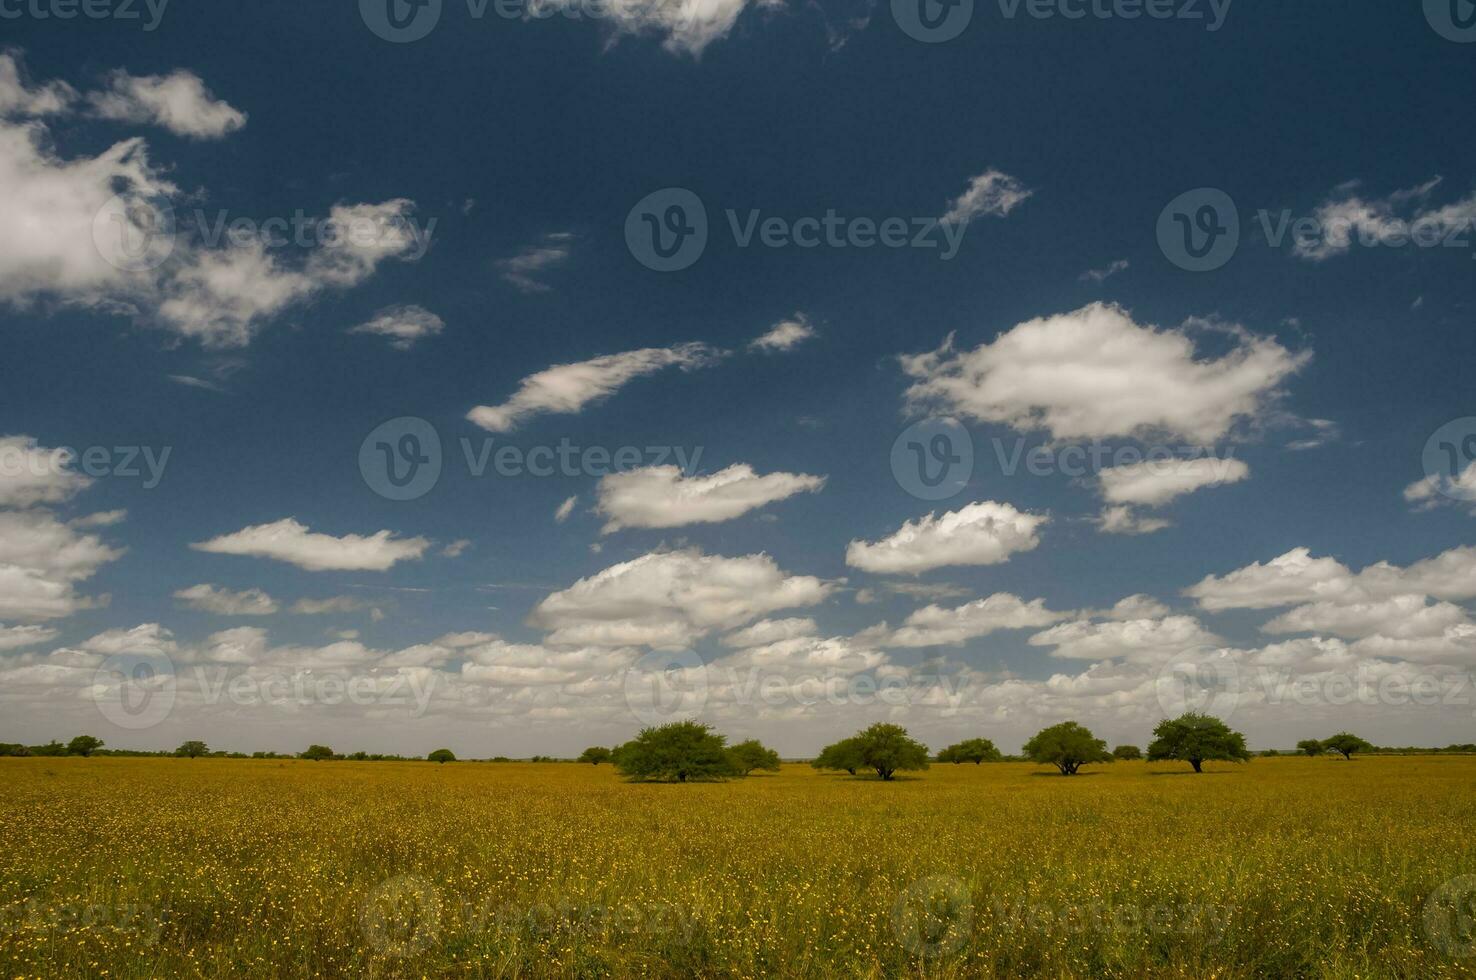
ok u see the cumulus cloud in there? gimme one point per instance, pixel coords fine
(179, 102)
(993, 193)
(937, 626)
(1297, 578)
(1133, 640)
(671, 599)
(525, 269)
(19, 97)
(566, 389)
(1095, 373)
(289, 541)
(767, 631)
(784, 335)
(16, 637)
(1438, 490)
(42, 560)
(403, 325)
(983, 533)
(93, 231)
(1156, 482)
(660, 496)
(1124, 520)
(1399, 617)
(31, 474)
(225, 602)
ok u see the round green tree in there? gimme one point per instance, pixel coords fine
(681, 751)
(594, 755)
(1195, 738)
(1067, 746)
(1127, 753)
(1311, 746)
(843, 755)
(442, 756)
(888, 749)
(318, 752)
(1345, 744)
(192, 750)
(84, 745)
(975, 750)
(752, 754)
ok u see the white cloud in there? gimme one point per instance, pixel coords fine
(179, 102)
(670, 599)
(660, 496)
(992, 193)
(1155, 482)
(565, 509)
(1296, 578)
(525, 269)
(983, 533)
(89, 231)
(19, 98)
(767, 631)
(1394, 221)
(689, 26)
(1133, 640)
(225, 602)
(565, 389)
(1094, 373)
(31, 474)
(785, 335)
(456, 548)
(1124, 520)
(289, 541)
(16, 637)
(1438, 490)
(1105, 273)
(404, 325)
(330, 606)
(41, 562)
(937, 626)
(1139, 606)
(1397, 617)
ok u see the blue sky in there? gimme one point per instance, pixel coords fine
(495, 164)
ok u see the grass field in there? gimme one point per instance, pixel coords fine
(221, 868)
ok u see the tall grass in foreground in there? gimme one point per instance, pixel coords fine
(225, 868)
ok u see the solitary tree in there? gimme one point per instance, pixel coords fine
(975, 750)
(1067, 746)
(192, 750)
(845, 754)
(595, 754)
(681, 751)
(84, 745)
(1345, 744)
(1127, 752)
(1311, 746)
(752, 754)
(318, 752)
(1195, 738)
(888, 749)
(442, 756)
